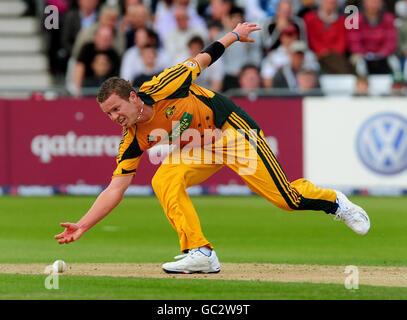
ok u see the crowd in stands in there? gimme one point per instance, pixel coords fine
(300, 41)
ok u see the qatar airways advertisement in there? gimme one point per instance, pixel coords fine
(72, 142)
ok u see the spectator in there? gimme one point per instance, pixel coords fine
(136, 16)
(57, 55)
(102, 43)
(163, 8)
(280, 57)
(165, 20)
(75, 20)
(307, 82)
(109, 16)
(148, 67)
(125, 5)
(218, 10)
(214, 30)
(62, 5)
(211, 77)
(327, 37)
(361, 87)
(132, 60)
(296, 76)
(374, 43)
(284, 17)
(401, 10)
(258, 11)
(249, 78)
(356, 3)
(306, 6)
(102, 69)
(238, 56)
(176, 43)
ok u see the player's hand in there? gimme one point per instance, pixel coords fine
(244, 29)
(71, 233)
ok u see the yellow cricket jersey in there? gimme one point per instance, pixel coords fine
(178, 105)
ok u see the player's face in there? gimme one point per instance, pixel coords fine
(120, 111)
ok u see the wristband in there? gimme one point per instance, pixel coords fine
(215, 50)
(237, 35)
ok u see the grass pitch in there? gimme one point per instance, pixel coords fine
(244, 229)
(108, 288)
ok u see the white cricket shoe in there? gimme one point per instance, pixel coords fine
(354, 216)
(194, 262)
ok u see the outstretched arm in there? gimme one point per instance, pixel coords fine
(240, 33)
(103, 205)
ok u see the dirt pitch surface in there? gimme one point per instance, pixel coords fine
(376, 276)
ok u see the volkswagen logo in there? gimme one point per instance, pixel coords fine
(382, 143)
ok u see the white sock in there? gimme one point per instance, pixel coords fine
(205, 250)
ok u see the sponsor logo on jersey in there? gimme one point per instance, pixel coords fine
(180, 126)
(169, 112)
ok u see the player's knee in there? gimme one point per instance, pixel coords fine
(168, 180)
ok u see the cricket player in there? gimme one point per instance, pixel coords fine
(208, 131)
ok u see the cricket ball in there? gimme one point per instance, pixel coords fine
(59, 266)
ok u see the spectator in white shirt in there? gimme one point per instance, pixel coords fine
(283, 18)
(176, 43)
(165, 20)
(148, 66)
(132, 64)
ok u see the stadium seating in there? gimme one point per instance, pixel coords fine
(380, 84)
(23, 63)
(343, 85)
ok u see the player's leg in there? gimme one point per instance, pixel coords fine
(267, 178)
(264, 174)
(170, 183)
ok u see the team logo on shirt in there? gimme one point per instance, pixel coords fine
(190, 64)
(169, 112)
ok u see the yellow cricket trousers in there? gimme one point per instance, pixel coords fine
(243, 149)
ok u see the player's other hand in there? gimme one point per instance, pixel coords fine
(71, 233)
(244, 29)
